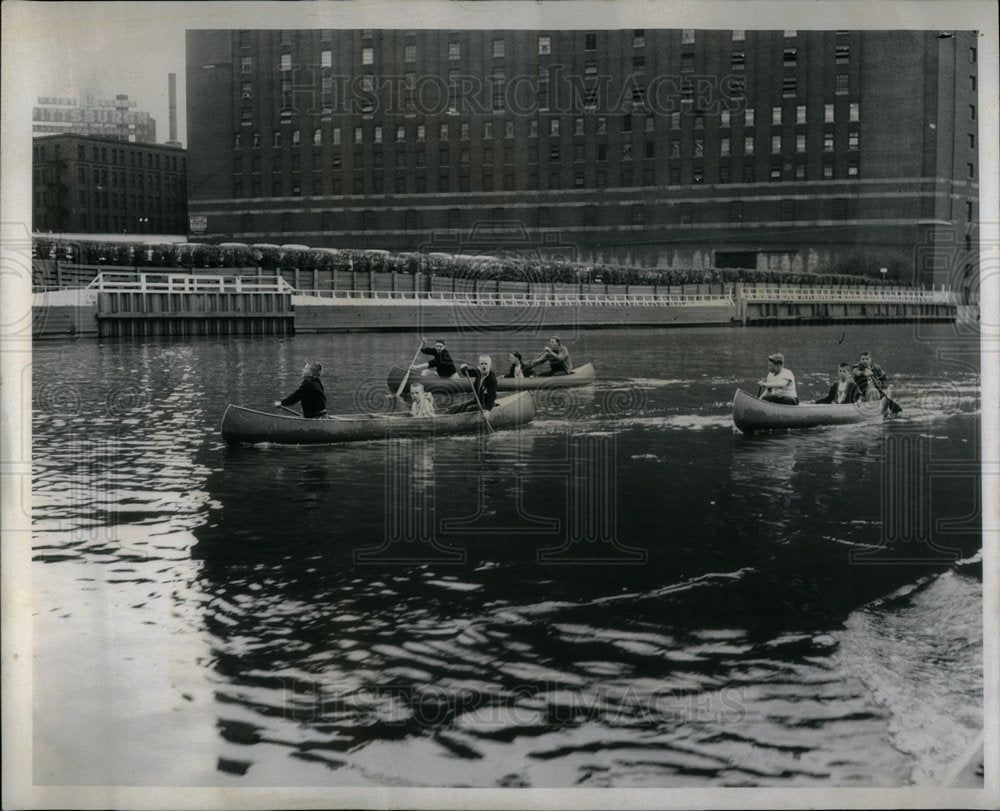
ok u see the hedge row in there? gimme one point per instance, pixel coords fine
(515, 268)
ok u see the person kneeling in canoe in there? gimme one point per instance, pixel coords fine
(484, 387)
(440, 361)
(557, 356)
(422, 404)
(779, 385)
(843, 390)
(310, 392)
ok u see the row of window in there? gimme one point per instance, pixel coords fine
(114, 223)
(375, 133)
(151, 203)
(510, 181)
(120, 157)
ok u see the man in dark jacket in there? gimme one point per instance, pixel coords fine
(310, 392)
(866, 372)
(484, 387)
(843, 390)
(440, 360)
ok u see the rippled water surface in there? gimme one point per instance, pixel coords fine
(627, 592)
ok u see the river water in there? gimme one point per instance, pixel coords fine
(626, 592)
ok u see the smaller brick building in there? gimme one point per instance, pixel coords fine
(97, 185)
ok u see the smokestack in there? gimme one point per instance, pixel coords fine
(172, 90)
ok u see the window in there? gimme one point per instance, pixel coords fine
(590, 41)
(358, 135)
(602, 125)
(842, 54)
(626, 151)
(788, 86)
(286, 62)
(748, 118)
(295, 137)
(775, 143)
(675, 148)
(748, 145)
(246, 115)
(699, 148)
(577, 153)
(968, 210)
(578, 126)
(554, 126)
(378, 135)
(852, 140)
(246, 90)
(827, 113)
(724, 146)
(421, 133)
(800, 143)
(788, 209)
(602, 152)
(855, 111)
(508, 129)
(800, 171)
(736, 211)
(775, 115)
(972, 141)
(724, 119)
(972, 54)
(972, 112)
(499, 49)
(256, 140)
(639, 64)
(544, 45)
(675, 175)
(791, 33)
(790, 57)
(827, 170)
(972, 169)
(687, 36)
(685, 212)
(276, 139)
(842, 86)
(246, 64)
(488, 129)
(687, 63)
(326, 58)
(336, 136)
(317, 137)
(739, 60)
(443, 135)
(800, 114)
(638, 214)
(852, 168)
(410, 53)
(639, 38)
(739, 35)
(775, 171)
(828, 142)
(454, 51)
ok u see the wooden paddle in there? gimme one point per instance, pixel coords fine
(406, 377)
(296, 413)
(894, 407)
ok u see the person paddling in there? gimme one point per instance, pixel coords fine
(844, 389)
(517, 366)
(310, 392)
(869, 377)
(557, 357)
(440, 361)
(779, 385)
(484, 387)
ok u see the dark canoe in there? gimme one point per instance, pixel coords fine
(581, 376)
(246, 426)
(753, 414)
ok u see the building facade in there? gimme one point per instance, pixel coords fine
(111, 118)
(94, 185)
(773, 149)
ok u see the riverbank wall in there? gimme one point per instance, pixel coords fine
(128, 303)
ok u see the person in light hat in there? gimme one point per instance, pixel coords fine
(779, 385)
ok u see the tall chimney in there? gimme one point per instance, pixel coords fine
(172, 89)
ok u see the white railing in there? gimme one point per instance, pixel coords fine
(112, 282)
(869, 295)
(493, 299)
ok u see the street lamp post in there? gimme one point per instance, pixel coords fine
(883, 271)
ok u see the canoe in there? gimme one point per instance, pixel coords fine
(246, 426)
(753, 414)
(581, 376)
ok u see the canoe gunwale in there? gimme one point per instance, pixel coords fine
(751, 413)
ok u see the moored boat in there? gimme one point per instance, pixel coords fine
(581, 376)
(247, 426)
(753, 414)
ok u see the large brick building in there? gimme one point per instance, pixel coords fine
(93, 185)
(783, 149)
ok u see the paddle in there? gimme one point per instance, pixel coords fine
(406, 377)
(296, 413)
(894, 407)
